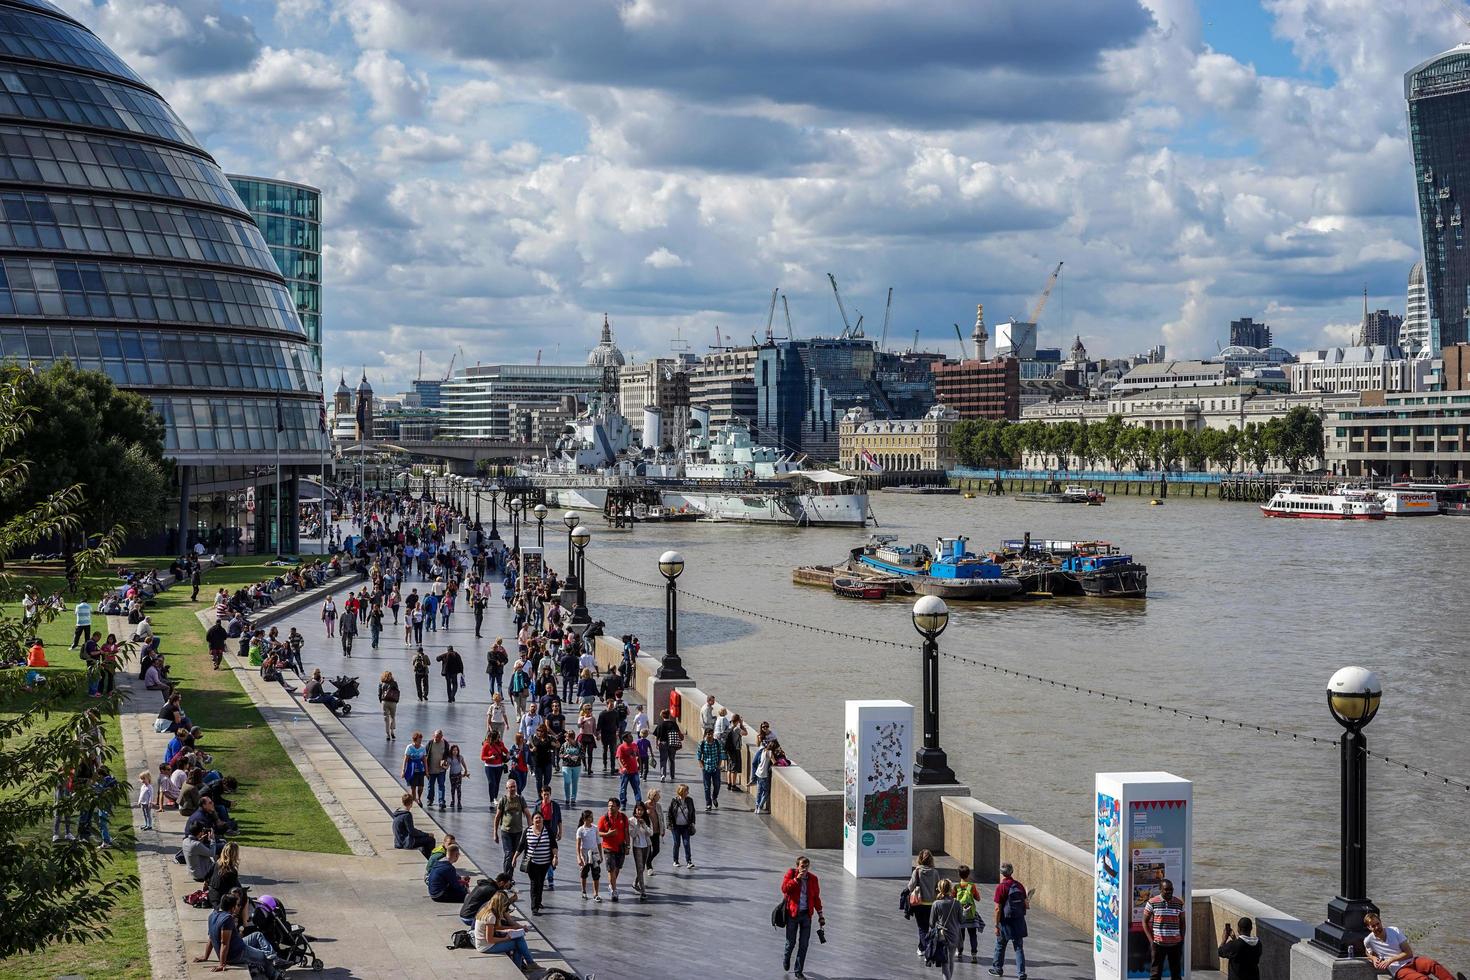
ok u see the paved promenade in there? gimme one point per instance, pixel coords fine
(712, 920)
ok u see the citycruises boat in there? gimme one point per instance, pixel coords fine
(1344, 505)
(950, 571)
(1451, 498)
(1399, 502)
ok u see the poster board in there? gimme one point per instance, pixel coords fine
(1143, 832)
(878, 806)
(533, 566)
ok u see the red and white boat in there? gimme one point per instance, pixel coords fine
(1344, 505)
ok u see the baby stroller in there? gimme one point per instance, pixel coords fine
(346, 690)
(292, 945)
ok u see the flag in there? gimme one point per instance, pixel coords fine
(280, 416)
(872, 462)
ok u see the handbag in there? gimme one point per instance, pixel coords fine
(526, 863)
(778, 915)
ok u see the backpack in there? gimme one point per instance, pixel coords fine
(676, 738)
(1015, 901)
(461, 939)
(965, 895)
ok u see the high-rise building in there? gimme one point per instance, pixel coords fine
(125, 250)
(1246, 332)
(1381, 329)
(980, 389)
(1438, 94)
(289, 215)
(428, 390)
(804, 387)
(724, 382)
(484, 402)
(661, 383)
(1414, 334)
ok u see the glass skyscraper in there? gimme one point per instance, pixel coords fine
(124, 249)
(290, 218)
(1438, 93)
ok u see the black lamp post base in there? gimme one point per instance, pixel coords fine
(931, 768)
(671, 669)
(1344, 926)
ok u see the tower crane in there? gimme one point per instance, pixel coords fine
(787, 306)
(846, 326)
(771, 316)
(450, 371)
(886, 311)
(960, 334)
(1045, 294)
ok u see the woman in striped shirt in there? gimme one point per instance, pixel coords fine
(539, 848)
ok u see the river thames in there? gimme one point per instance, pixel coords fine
(1246, 617)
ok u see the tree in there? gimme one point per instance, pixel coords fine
(1137, 446)
(1197, 453)
(1297, 437)
(1171, 446)
(82, 430)
(1107, 438)
(55, 891)
(1253, 448)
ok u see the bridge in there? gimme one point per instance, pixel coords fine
(464, 455)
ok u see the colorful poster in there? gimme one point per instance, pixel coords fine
(1158, 837)
(531, 565)
(1106, 848)
(877, 783)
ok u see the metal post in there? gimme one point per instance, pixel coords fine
(671, 666)
(280, 549)
(322, 510)
(540, 532)
(931, 765)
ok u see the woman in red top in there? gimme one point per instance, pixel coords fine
(803, 896)
(494, 754)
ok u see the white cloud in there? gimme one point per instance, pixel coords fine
(662, 258)
(396, 92)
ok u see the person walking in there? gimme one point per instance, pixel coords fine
(511, 818)
(640, 833)
(612, 831)
(587, 737)
(1011, 904)
(543, 756)
(627, 758)
(495, 660)
(388, 695)
(457, 771)
(329, 616)
(83, 611)
(607, 732)
(420, 664)
(571, 768)
(375, 623)
(681, 823)
(589, 855)
(494, 755)
(1164, 926)
(436, 762)
(968, 896)
(414, 766)
(923, 886)
(347, 632)
(711, 756)
(495, 717)
(764, 763)
(944, 930)
(451, 665)
(538, 848)
(669, 738)
(550, 813)
(733, 742)
(801, 893)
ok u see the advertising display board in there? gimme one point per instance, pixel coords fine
(1143, 831)
(532, 567)
(877, 811)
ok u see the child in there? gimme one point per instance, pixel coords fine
(970, 920)
(145, 798)
(589, 855)
(645, 749)
(457, 771)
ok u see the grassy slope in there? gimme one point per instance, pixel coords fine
(274, 806)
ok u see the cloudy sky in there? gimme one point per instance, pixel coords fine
(498, 174)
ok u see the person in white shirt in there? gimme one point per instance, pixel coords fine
(1389, 952)
(589, 855)
(640, 720)
(707, 714)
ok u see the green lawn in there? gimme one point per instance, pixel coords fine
(274, 806)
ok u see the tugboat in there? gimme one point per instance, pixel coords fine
(1105, 575)
(950, 571)
(1091, 568)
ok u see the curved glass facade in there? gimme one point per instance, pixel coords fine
(290, 217)
(124, 248)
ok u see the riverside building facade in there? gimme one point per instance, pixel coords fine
(126, 250)
(289, 215)
(1438, 95)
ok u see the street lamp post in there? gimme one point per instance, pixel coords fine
(571, 520)
(581, 534)
(515, 525)
(540, 511)
(479, 488)
(931, 767)
(494, 512)
(1353, 696)
(671, 668)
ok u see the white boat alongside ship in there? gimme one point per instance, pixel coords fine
(721, 474)
(1408, 503)
(1343, 505)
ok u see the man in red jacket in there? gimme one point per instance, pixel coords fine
(803, 896)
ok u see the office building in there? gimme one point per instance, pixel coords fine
(428, 390)
(1174, 374)
(1246, 332)
(1438, 96)
(477, 401)
(724, 382)
(1191, 409)
(1359, 369)
(1414, 334)
(661, 383)
(1015, 338)
(1381, 329)
(980, 389)
(125, 250)
(902, 445)
(1401, 435)
(804, 387)
(289, 215)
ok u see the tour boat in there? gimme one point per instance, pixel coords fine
(1344, 505)
(1404, 502)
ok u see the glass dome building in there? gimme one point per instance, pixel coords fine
(124, 249)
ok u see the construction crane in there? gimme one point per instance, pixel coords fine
(915, 345)
(787, 307)
(1045, 294)
(450, 371)
(846, 326)
(538, 356)
(771, 316)
(886, 311)
(960, 334)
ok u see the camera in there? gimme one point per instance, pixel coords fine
(822, 935)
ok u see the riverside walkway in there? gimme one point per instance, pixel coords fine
(713, 919)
